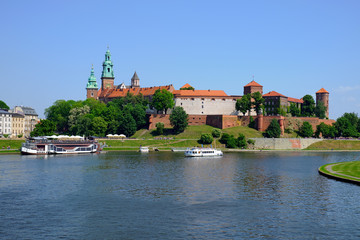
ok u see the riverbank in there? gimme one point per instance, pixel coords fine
(344, 171)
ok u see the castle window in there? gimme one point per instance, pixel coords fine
(223, 99)
(108, 69)
(192, 99)
(202, 99)
(213, 99)
(202, 106)
(92, 94)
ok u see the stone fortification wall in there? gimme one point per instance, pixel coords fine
(165, 118)
(284, 143)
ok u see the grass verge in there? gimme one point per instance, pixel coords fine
(335, 145)
(342, 171)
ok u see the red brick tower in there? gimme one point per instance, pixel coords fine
(252, 87)
(323, 96)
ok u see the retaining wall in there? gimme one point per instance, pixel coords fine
(284, 143)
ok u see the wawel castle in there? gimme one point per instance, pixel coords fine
(201, 105)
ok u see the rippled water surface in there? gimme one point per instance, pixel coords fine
(271, 195)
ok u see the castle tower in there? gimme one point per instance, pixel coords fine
(107, 76)
(92, 87)
(252, 87)
(135, 81)
(323, 96)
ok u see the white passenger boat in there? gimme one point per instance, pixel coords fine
(144, 149)
(44, 146)
(202, 152)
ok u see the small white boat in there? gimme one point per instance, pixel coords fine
(202, 152)
(144, 149)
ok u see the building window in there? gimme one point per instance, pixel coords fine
(223, 99)
(202, 99)
(92, 94)
(202, 106)
(180, 104)
(213, 99)
(108, 69)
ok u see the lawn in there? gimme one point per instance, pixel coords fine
(335, 145)
(350, 169)
(14, 144)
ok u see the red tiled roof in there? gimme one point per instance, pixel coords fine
(290, 99)
(200, 93)
(273, 94)
(322, 91)
(252, 84)
(186, 86)
(148, 91)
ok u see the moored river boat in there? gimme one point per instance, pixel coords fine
(202, 152)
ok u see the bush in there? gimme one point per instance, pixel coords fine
(231, 142)
(216, 133)
(206, 138)
(224, 138)
(20, 136)
(273, 131)
(159, 128)
(251, 141)
(252, 122)
(179, 119)
(306, 130)
(5, 135)
(241, 141)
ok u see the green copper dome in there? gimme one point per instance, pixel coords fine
(108, 66)
(92, 80)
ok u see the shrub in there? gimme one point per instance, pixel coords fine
(231, 142)
(224, 138)
(306, 130)
(251, 141)
(6, 135)
(273, 131)
(216, 133)
(206, 138)
(159, 128)
(241, 141)
(252, 122)
(20, 136)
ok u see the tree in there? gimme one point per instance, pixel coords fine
(273, 131)
(344, 128)
(294, 110)
(99, 126)
(3, 105)
(159, 128)
(306, 130)
(206, 138)
(162, 100)
(241, 141)
(258, 102)
(216, 133)
(59, 113)
(244, 104)
(44, 128)
(308, 106)
(320, 110)
(75, 120)
(187, 88)
(179, 119)
(127, 125)
(325, 130)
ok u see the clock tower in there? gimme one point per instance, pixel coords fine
(107, 76)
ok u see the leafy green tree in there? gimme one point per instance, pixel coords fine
(231, 142)
(206, 138)
(325, 130)
(179, 119)
(224, 138)
(308, 106)
(320, 110)
(75, 119)
(344, 128)
(159, 128)
(216, 133)
(252, 123)
(258, 102)
(83, 125)
(306, 130)
(3, 105)
(244, 104)
(138, 112)
(241, 141)
(99, 126)
(352, 117)
(59, 113)
(162, 100)
(274, 130)
(187, 88)
(127, 125)
(294, 110)
(44, 128)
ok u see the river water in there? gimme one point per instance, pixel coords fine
(163, 195)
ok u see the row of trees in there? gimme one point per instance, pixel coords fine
(256, 101)
(94, 118)
(347, 125)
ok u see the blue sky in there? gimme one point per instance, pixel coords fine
(292, 47)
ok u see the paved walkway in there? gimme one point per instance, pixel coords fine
(329, 168)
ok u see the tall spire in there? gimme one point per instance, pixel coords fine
(108, 71)
(92, 80)
(135, 81)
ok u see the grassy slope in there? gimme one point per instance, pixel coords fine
(352, 169)
(335, 145)
(14, 144)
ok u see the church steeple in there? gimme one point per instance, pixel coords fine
(91, 87)
(135, 81)
(107, 75)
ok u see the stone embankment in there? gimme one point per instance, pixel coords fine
(284, 143)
